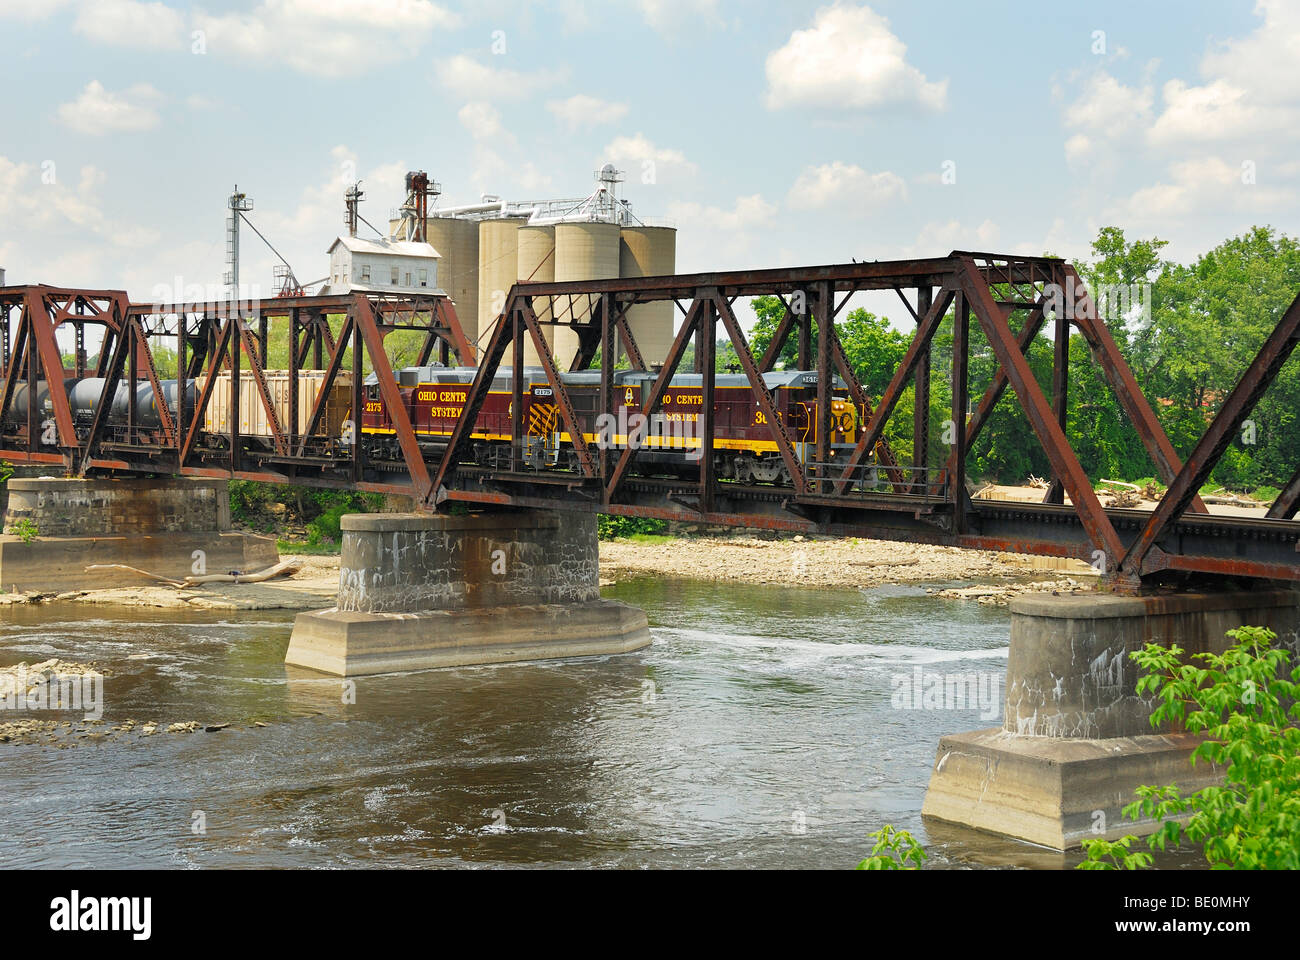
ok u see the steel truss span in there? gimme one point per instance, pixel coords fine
(319, 420)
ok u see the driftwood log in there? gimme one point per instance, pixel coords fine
(1120, 483)
(283, 568)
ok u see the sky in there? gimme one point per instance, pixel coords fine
(770, 133)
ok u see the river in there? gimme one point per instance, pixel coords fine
(759, 730)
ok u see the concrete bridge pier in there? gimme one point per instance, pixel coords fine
(1076, 741)
(420, 590)
(54, 528)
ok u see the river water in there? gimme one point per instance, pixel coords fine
(759, 730)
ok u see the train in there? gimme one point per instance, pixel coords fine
(743, 448)
(434, 396)
(83, 397)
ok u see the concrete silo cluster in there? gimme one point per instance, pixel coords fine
(485, 248)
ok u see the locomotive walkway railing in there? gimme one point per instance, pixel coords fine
(234, 416)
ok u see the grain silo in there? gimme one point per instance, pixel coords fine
(498, 268)
(457, 241)
(537, 265)
(649, 252)
(583, 251)
(488, 246)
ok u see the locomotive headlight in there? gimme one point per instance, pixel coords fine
(843, 417)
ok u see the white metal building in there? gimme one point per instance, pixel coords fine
(382, 266)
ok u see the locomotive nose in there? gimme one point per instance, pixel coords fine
(844, 418)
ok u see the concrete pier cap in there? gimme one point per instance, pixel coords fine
(426, 590)
(1076, 739)
(55, 527)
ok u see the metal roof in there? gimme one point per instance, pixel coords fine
(398, 248)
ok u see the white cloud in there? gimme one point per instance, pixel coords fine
(1264, 60)
(98, 111)
(132, 24)
(1200, 187)
(1071, 240)
(939, 239)
(575, 15)
(582, 112)
(844, 186)
(1215, 111)
(1109, 108)
(1249, 88)
(467, 78)
(531, 178)
(716, 238)
(325, 37)
(21, 200)
(483, 121)
(70, 239)
(43, 201)
(498, 159)
(1245, 109)
(1241, 116)
(750, 211)
(1106, 119)
(1078, 151)
(644, 160)
(848, 58)
(668, 16)
(30, 9)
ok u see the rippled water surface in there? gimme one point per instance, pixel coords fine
(756, 731)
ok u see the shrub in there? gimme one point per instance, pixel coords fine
(24, 529)
(1265, 494)
(327, 528)
(894, 850)
(268, 506)
(1242, 700)
(611, 528)
(248, 498)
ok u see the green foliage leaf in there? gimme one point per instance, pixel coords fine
(1243, 700)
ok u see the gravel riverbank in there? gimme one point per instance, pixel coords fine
(809, 562)
(816, 562)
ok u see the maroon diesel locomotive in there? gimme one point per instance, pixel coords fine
(743, 448)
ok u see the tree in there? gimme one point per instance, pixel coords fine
(1206, 322)
(1246, 701)
(874, 349)
(768, 313)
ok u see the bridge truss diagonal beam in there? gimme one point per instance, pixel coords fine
(1065, 464)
